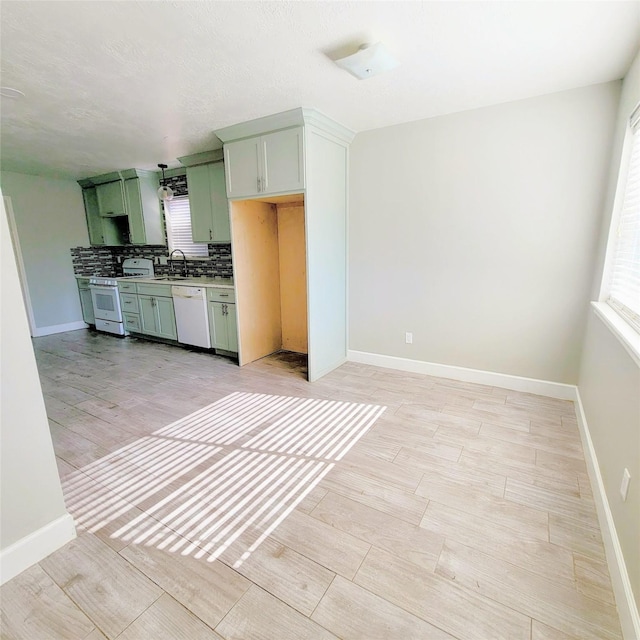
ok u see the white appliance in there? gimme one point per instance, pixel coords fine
(106, 301)
(192, 321)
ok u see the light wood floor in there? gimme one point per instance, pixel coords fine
(462, 511)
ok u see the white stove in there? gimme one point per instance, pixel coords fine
(106, 301)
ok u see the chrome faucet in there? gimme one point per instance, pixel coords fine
(184, 263)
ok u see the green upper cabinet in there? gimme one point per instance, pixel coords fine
(208, 203)
(94, 221)
(244, 167)
(143, 208)
(111, 199)
(267, 164)
(123, 208)
(103, 231)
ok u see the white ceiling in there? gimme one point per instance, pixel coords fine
(115, 85)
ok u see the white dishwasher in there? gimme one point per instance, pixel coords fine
(192, 321)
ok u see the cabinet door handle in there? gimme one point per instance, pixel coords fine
(210, 234)
(259, 185)
(223, 295)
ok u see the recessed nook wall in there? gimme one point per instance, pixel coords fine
(293, 277)
(257, 278)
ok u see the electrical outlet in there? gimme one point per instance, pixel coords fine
(164, 260)
(624, 486)
(408, 338)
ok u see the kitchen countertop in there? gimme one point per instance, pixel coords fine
(222, 283)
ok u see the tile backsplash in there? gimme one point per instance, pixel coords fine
(106, 261)
(93, 261)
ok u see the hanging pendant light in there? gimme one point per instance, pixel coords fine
(164, 192)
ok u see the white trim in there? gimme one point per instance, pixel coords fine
(628, 337)
(17, 250)
(36, 546)
(58, 328)
(616, 211)
(627, 609)
(297, 117)
(506, 381)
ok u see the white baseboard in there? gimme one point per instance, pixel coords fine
(503, 380)
(38, 332)
(627, 609)
(36, 546)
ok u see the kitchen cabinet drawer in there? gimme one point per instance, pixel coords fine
(126, 287)
(129, 302)
(131, 321)
(158, 290)
(221, 295)
(83, 283)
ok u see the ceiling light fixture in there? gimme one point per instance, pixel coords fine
(164, 192)
(368, 61)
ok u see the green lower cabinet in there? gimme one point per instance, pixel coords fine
(223, 326)
(86, 302)
(157, 317)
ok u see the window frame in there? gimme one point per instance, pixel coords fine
(622, 321)
(203, 253)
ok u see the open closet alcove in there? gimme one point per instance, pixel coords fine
(268, 238)
(286, 182)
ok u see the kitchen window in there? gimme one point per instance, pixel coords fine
(178, 218)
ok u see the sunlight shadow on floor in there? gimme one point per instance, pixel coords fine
(230, 472)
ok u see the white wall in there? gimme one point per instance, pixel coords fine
(610, 383)
(476, 232)
(33, 518)
(50, 219)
